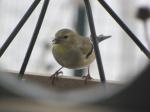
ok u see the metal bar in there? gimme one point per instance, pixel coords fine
(125, 27)
(19, 26)
(34, 37)
(95, 44)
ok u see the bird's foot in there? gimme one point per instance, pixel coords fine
(86, 78)
(54, 76)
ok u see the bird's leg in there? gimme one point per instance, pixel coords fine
(88, 76)
(55, 75)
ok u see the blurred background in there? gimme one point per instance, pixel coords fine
(122, 59)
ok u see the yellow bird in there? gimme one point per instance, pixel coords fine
(73, 51)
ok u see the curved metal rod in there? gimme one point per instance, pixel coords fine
(18, 27)
(95, 43)
(125, 28)
(34, 37)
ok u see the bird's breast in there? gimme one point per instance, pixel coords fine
(70, 57)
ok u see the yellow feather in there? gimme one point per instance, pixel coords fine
(60, 49)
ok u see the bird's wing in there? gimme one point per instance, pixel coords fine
(86, 46)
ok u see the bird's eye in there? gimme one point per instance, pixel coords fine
(65, 36)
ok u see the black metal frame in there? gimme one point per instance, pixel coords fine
(19, 26)
(92, 29)
(34, 37)
(125, 28)
(95, 44)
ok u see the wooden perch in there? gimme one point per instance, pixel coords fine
(62, 83)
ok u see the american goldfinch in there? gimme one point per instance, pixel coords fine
(73, 51)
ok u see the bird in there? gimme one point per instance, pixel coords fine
(73, 51)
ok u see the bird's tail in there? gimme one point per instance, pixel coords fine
(101, 37)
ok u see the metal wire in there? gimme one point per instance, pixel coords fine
(95, 44)
(34, 37)
(125, 27)
(19, 26)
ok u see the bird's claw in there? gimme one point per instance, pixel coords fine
(54, 76)
(86, 78)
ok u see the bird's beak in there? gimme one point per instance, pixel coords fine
(55, 41)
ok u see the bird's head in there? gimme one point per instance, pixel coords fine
(65, 37)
